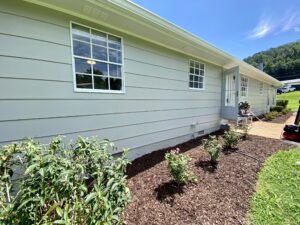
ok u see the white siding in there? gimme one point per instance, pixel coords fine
(258, 101)
(37, 97)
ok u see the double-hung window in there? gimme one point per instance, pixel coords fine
(97, 59)
(244, 86)
(196, 75)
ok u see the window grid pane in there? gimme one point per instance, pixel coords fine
(244, 86)
(98, 59)
(196, 76)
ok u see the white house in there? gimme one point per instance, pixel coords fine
(113, 69)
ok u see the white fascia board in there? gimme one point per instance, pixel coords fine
(135, 12)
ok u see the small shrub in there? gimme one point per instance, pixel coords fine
(286, 111)
(81, 183)
(271, 115)
(231, 139)
(276, 108)
(178, 167)
(245, 128)
(213, 146)
(282, 103)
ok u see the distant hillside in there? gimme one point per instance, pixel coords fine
(282, 62)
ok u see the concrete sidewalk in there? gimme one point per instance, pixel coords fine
(269, 129)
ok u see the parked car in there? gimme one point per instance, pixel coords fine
(282, 90)
(290, 88)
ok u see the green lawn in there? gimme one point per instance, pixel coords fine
(277, 200)
(293, 98)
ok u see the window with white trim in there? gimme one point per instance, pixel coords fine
(261, 88)
(244, 86)
(196, 75)
(97, 59)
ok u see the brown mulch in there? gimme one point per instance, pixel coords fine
(282, 118)
(220, 197)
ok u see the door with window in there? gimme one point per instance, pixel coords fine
(230, 94)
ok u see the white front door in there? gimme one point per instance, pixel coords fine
(230, 94)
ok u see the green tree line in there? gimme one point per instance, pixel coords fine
(282, 62)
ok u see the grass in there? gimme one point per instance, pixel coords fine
(277, 200)
(293, 98)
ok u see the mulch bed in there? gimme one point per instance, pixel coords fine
(282, 118)
(221, 195)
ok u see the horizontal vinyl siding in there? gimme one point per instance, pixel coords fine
(258, 102)
(37, 97)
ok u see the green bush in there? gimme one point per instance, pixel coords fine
(178, 167)
(231, 139)
(213, 146)
(276, 109)
(80, 183)
(271, 115)
(282, 103)
(286, 111)
(245, 128)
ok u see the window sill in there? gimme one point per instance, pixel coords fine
(197, 89)
(78, 90)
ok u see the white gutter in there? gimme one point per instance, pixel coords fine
(146, 14)
(133, 11)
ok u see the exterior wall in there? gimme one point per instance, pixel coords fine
(258, 102)
(37, 97)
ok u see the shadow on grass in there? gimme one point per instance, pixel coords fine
(166, 192)
(207, 166)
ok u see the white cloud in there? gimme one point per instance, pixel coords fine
(290, 21)
(263, 28)
(269, 24)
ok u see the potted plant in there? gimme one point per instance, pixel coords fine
(244, 108)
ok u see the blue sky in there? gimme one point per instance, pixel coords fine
(239, 27)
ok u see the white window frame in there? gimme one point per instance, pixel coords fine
(246, 87)
(204, 72)
(73, 64)
(261, 88)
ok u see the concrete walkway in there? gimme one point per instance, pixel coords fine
(269, 129)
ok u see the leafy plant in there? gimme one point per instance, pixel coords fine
(231, 139)
(245, 128)
(214, 147)
(178, 167)
(282, 103)
(80, 183)
(286, 111)
(271, 115)
(276, 109)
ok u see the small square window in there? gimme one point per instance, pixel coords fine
(196, 75)
(99, 38)
(82, 66)
(84, 81)
(101, 82)
(81, 49)
(99, 53)
(100, 68)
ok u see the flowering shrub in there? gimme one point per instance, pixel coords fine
(213, 146)
(231, 139)
(81, 183)
(177, 165)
